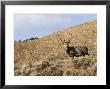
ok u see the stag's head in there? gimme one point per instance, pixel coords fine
(65, 40)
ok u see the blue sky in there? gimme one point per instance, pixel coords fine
(39, 25)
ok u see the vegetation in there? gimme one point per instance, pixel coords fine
(47, 57)
(32, 38)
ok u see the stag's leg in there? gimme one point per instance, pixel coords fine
(72, 56)
(83, 54)
(72, 59)
(77, 55)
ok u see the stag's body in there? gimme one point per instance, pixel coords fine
(81, 51)
(75, 51)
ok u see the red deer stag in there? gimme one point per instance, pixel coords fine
(73, 51)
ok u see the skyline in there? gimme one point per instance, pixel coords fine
(40, 25)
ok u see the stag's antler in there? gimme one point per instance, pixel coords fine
(70, 34)
(62, 38)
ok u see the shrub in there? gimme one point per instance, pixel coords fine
(83, 63)
(45, 64)
(54, 67)
(50, 72)
(33, 38)
(19, 41)
(42, 66)
(17, 72)
(76, 72)
(57, 73)
(39, 68)
(26, 69)
(45, 69)
(68, 73)
(26, 72)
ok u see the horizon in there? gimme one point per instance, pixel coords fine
(32, 25)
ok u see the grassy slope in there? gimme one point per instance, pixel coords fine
(28, 55)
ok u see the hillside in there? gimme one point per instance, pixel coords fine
(46, 56)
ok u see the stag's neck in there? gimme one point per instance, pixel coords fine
(66, 47)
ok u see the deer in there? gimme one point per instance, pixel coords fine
(73, 51)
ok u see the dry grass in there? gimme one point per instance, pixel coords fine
(29, 56)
